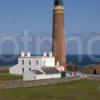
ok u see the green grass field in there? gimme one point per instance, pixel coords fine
(9, 78)
(4, 75)
(77, 90)
(4, 70)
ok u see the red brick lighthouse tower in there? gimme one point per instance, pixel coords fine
(58, 35)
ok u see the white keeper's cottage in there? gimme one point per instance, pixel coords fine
(37, 67)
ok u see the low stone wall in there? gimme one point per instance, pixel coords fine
(93, 77)
(20, 83)
(91, 69)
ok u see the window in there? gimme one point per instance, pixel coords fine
(23, 70)
(29, 69)
(37, 62)
(29, 62)
(22, 62)
(44, 61)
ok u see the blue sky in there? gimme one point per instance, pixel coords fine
(82, 19)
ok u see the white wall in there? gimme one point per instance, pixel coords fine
(49, 61)
(48, 76)
(31, 76)
(36, 63)
(16, 70)
(27, 76)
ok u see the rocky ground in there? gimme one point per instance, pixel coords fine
(91, 69)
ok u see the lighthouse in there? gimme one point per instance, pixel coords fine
(58, 34)
(47, 66)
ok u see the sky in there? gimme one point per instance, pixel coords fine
(82, 25)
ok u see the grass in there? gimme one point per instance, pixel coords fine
(9, 77)
(77, 90)
(4, 70)
(4, 75)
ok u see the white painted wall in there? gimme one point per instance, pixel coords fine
(48, 76)
(28, 76)
(49, 61)
(16, 70)
(37, 62)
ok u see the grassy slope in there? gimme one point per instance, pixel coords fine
(4, 75)
(9, 78)
(4, 70)
(77, 90)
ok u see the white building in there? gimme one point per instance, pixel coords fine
(37, 67)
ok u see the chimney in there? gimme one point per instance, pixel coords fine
(22, 54)
(44, 54)
(50, 54)
(28, 54)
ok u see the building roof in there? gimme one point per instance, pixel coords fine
(51, 70)
(37, 72)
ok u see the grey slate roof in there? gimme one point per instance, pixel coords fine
(51, 70)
